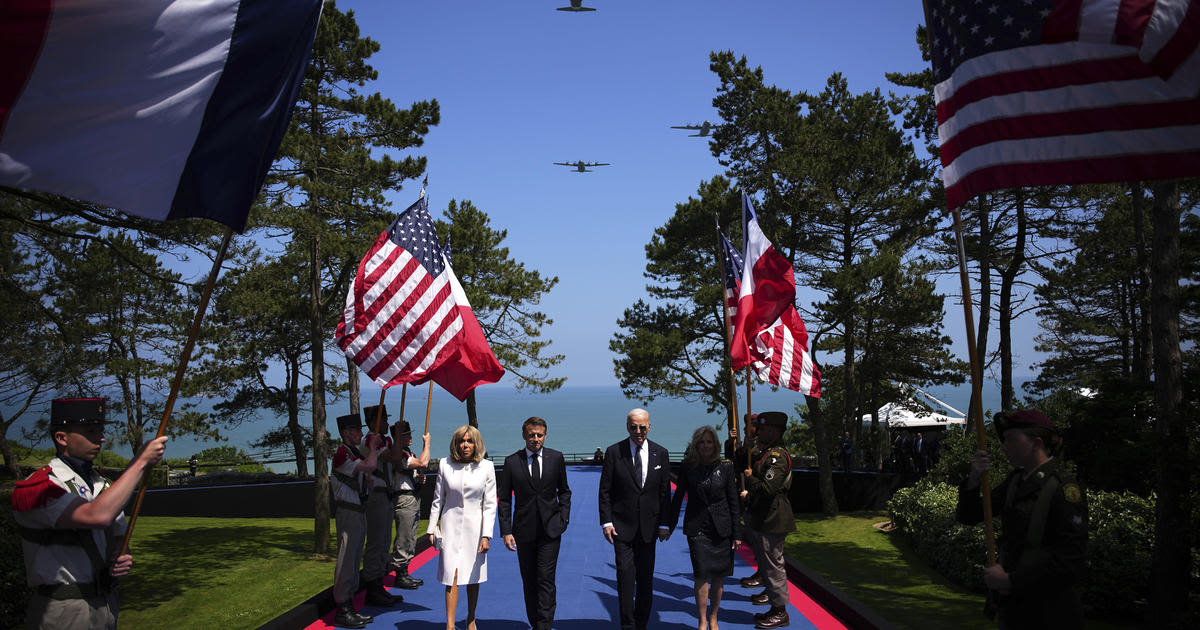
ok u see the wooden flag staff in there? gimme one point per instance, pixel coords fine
(428, 407)
(976, 388)
(377, 425)
(177, 382)
(403, 396)
(734, 420)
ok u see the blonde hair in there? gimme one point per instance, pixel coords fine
(692, 455)
(476, 437)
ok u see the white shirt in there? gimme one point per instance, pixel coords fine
(643, 454)
(529, 461)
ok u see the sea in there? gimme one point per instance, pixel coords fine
(579, 419)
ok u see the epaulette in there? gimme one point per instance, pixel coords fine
(35, 491)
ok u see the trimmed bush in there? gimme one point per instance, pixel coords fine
(1120, 544)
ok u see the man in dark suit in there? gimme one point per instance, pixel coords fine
(635, 510)
(538, 477)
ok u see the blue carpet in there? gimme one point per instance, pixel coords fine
(587, 589)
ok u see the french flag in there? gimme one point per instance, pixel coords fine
(768, 287)
(161, 108)
(473, 362)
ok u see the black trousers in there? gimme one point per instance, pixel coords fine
(539, 563)
(635, 581)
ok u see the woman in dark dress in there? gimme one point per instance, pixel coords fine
(710, 521)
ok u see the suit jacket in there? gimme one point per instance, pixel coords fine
(712, 494)
(548, 502)
(635, 511)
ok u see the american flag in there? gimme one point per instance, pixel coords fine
(783, 345)
(786, 361)
(401, 321)
(1048, 92)
(732, 264)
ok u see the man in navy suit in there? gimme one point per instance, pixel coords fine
(538, 477)
(635, 510)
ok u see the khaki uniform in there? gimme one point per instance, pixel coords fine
(1042, 545)
(406, 514)
(379, 510)
(66, 568)
(770, 518)
(349, 497)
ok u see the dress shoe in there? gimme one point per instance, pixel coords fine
(760, 598)
(777, 620)
(751, 581)
(404, 580)
(377, 595)
(347, 617)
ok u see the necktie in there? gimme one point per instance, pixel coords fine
(637, 465)
(536, 469)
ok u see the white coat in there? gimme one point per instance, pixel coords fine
(463, 511)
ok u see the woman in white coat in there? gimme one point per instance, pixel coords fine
(462, 519)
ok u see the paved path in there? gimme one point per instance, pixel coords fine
(587, 589)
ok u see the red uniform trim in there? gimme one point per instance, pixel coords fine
(35, 491)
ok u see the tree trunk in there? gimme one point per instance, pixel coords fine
(985, 292)
(354, 390)
(10, 460)
(1008, 279)
(321, 502)
(1143, 344)
(1169, 574)
(829, 503)
(293, 405)
(472, 417)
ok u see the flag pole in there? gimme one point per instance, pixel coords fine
(734, 420)
(976, 388)
(748, 412)
(377, 425)
(428, 406)
(403, 395)
(177, 382)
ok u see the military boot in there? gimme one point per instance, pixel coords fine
(347, 617)
(751, 581)
(377, 595)
(404, 580)
(776, 618)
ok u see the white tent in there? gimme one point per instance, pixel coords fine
(895, 416)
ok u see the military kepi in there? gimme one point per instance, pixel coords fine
(1023, 419)
(771, 419)
(349, 421)
(68, 411)
(370, 412)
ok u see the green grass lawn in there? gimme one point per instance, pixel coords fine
(883, 572)
(221, 573)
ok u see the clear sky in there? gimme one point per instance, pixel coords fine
(522, 85)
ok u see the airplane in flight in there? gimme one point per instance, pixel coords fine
(581, 166)
(703, 128)
(576, 6)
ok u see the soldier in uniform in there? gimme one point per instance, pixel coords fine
(766, 493)
(744, 453)
(351, 487)
(379, 509)
(406, 479)
(71, 522)
(1043, 513)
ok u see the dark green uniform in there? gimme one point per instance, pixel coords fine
(769, 506)
(1042, 545)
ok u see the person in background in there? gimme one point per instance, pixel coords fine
(351, 487)
(635, 511)
(462, 519)
(71, 522)
(710, 523)
(847, 448)
(407, 477)
(380, 509)
(771, 518)
(537, 476)
(1044, 527)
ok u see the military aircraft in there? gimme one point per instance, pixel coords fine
(576, 6)
(581, 166)
(703, 128)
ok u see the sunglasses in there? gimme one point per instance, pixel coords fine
(634, 428)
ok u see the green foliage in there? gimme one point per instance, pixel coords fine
(14, 594)
(1120, 544)
(925, 512)
(219, 458)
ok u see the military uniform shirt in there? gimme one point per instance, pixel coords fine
(769, 506)
(344, 461)
(38, 502)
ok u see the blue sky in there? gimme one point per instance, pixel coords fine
(522, 85)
